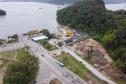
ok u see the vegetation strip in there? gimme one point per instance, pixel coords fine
(78, 68)
(47, 45)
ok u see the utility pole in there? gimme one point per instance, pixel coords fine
(90, 51)
(123, 7)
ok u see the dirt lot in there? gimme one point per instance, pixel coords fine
(55, 81)
(99, 58)
(5, 58)
(2, 72)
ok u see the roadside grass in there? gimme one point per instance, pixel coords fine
(47, 45)
(12, 41)
(1, 63)
(78, 68)
(8, 54)
(4, 63)
(21, 53)
(6, 57)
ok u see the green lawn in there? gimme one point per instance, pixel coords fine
(47, 45)
(78, 68)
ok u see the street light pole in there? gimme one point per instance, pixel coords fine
(123, 7)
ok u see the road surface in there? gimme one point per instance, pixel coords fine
(50, 62)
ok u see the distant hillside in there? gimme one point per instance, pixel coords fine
(45, 1)
(60, 1)
(2, 12)
(63, 1)
(105, 26)
(114, 1)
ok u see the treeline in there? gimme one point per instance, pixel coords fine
(62, 1)
(103, 25)
(23, 70)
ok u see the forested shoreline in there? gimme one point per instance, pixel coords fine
(105, 26)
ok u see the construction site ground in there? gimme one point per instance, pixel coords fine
(99, 59)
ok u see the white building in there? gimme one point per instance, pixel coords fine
(37, 38)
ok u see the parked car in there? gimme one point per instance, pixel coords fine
(42, 55)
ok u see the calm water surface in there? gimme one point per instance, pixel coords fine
(25, 16)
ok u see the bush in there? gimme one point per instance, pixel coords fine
(47, 45)
(45, 32)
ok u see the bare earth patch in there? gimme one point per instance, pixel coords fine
(55, 81)
(2, 72)
(5, 58)
(99, 58)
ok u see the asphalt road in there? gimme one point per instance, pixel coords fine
(48, 66)
(50, 63)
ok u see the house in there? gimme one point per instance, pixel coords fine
(37, 38)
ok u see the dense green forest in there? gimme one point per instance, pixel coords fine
(2, 12)
(103, 25)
